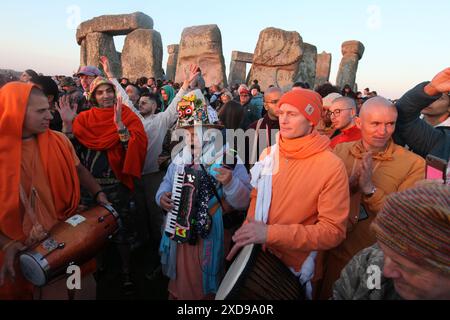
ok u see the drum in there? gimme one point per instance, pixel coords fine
(259, 275)
(75, 241)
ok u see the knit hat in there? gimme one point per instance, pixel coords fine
(89, 71)
(94, 85)
(416, 224)
(328, 100)
(308, 102)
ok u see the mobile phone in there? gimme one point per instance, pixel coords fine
(363, 215)
(436, 168)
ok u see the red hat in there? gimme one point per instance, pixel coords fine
(243, 89)
(308, 102)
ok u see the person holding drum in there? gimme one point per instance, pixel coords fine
(300, 201)
(110, 140)
(40, 177)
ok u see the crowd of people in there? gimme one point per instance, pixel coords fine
(329, 181)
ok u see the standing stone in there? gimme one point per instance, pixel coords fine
(202, 45)
(142, 55)
(114, 25)
(100, 44)
(83, 53)
(323, 68)
(307, 68)
(238, 67)
(352, 52)
(171, 69)
(277, 57)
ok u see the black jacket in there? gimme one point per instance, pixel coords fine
(421, 137)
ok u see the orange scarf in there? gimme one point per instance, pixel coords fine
(95, 129)
(57, 161)
(303, 147)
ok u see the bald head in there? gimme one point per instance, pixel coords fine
(376, 104)
(342, 113)
(271, 98)
(345, 102)
(273, 90)
(376, 121)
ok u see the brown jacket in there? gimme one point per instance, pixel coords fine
(395, 169)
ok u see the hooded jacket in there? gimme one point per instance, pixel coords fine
(58, 164)
(310, 200)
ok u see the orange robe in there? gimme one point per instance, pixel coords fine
(50, 164)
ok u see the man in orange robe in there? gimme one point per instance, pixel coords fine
(40, 178)
(300, 202)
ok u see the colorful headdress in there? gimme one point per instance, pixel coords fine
(193, 111)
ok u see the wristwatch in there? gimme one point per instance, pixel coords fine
(371, 193)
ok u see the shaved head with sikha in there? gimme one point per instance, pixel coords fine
(376, 121)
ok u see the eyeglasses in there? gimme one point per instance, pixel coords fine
(336, 112)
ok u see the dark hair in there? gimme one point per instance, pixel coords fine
(303, 85)
(33, 74)
(231, 115)
(325, 89)
(47, 85)
(152, 96)
(141, 81)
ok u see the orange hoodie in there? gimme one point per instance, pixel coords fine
(310, 200)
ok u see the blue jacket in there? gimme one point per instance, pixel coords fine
(421, 137)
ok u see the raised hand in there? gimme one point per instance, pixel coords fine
(104, 61)
(365, 176)
(439, 84)
(67, 110)
(353, 182)
(193, 73)
(118, 114)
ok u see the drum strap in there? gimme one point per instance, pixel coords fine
(37, 232)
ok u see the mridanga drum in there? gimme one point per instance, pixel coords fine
(74, 241)
(259, 275)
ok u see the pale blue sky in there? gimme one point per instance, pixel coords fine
(407, 41)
